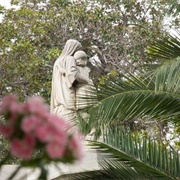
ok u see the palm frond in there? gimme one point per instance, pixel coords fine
(118, 169)
(87, 175)
(135, 104)
(129, 156)
(123, 83)
(168, 77)
(167, 48)
(174, 7)
(156, 96)
(126, 155)
(85, 96)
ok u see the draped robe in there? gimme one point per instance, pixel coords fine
(64, 75)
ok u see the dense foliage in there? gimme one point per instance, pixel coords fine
(113, 33)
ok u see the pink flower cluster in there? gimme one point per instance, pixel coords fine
(29, 126)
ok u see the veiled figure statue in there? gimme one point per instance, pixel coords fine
(65, 77)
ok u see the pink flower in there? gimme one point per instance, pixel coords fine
(15, 107)
(75, 146)
(6, 102)
(36, 106)
(16, 110)
(38, 128)
(29, 124)
(49, 133)
(55, 149)
(59, 123)
(10, 106)
(23, 148)
(6, 130)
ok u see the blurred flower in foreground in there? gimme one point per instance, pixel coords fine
(30, 127)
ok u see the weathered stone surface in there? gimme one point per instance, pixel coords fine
(88, 163)
(7, 170)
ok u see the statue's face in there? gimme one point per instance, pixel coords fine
(81, 61)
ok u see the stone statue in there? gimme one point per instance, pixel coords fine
(64, 79)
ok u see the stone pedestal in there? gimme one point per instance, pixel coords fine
(7, 170)
(88, 163)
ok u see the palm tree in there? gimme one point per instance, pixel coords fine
(127, 152)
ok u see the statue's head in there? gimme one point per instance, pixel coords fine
(71, 47)
(81, 58)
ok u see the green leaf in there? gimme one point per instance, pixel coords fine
(117, 160)
(167, 48)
